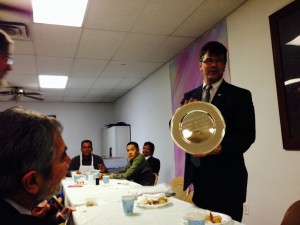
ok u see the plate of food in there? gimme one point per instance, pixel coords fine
(214, 218)
(153, 201)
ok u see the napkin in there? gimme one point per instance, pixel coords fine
(160, 188)
(150, 197)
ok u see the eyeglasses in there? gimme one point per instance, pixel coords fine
(8, 58)
(211, 61)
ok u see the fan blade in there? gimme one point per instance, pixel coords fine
(7, 7)
(37, 98)
(31, 93)
(5, 93)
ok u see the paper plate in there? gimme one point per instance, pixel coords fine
(197, 127)
(226, 220)
(143, 205)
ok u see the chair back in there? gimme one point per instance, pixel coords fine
(189, 198)
(292, 215)
(177, 187)
(155, 179)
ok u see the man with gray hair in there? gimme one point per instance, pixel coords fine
(33, 161)
(6, 47)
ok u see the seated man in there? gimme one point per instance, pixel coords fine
(137, 169)
(33, 161)
(86, 161)
(148, 151)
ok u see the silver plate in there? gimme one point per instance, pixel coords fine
(197, 127)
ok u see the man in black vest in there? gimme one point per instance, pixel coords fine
(148, 150)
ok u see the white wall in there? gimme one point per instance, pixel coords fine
(80, 120)
(148, 109)
(274, 181)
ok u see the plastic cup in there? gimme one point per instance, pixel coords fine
(128, 203)
(105, 179)
(96, 175)
(73, 173)
(195, 218)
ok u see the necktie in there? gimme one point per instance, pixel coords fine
(196, 160)
(207, 93)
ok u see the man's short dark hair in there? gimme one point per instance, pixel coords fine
(214, 48)
(151, 145)
(136, 145)
(87, 141)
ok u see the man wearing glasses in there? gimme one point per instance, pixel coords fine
(6, 45)
(220, 177)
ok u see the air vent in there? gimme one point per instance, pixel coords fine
(15, 29)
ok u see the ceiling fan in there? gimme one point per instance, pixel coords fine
(18, 92)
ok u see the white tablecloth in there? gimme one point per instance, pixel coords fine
(109, 209)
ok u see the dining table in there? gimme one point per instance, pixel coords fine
(102, 205)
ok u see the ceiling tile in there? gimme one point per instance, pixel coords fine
(23, 47)
(138, 46)
(170, 48)
(30, 82)
(88, 67)
(24, 64)
(54, 65)
(129, 83)
(163, 17)
(76, 92)
(52, 40)
(80, 82)
(131, 69)
(99, 44)
(107, 83)
(210, 13)
(125, 14)
(52, 92)
(97, 93)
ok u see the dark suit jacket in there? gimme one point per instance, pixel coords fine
(154, 164)
(223, 178)
(9, 215)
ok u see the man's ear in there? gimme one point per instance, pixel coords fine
(200, 66)
(30, 182)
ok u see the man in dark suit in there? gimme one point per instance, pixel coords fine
(33, 161)
(220, 177)
(148, 150)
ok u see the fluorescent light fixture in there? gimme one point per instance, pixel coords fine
(292, 81)
(51, 81)
(295, 41)
(59, 12)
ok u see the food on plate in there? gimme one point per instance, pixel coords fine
(159, 201)
(213, 219)
(80, 182)
(90, 203)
